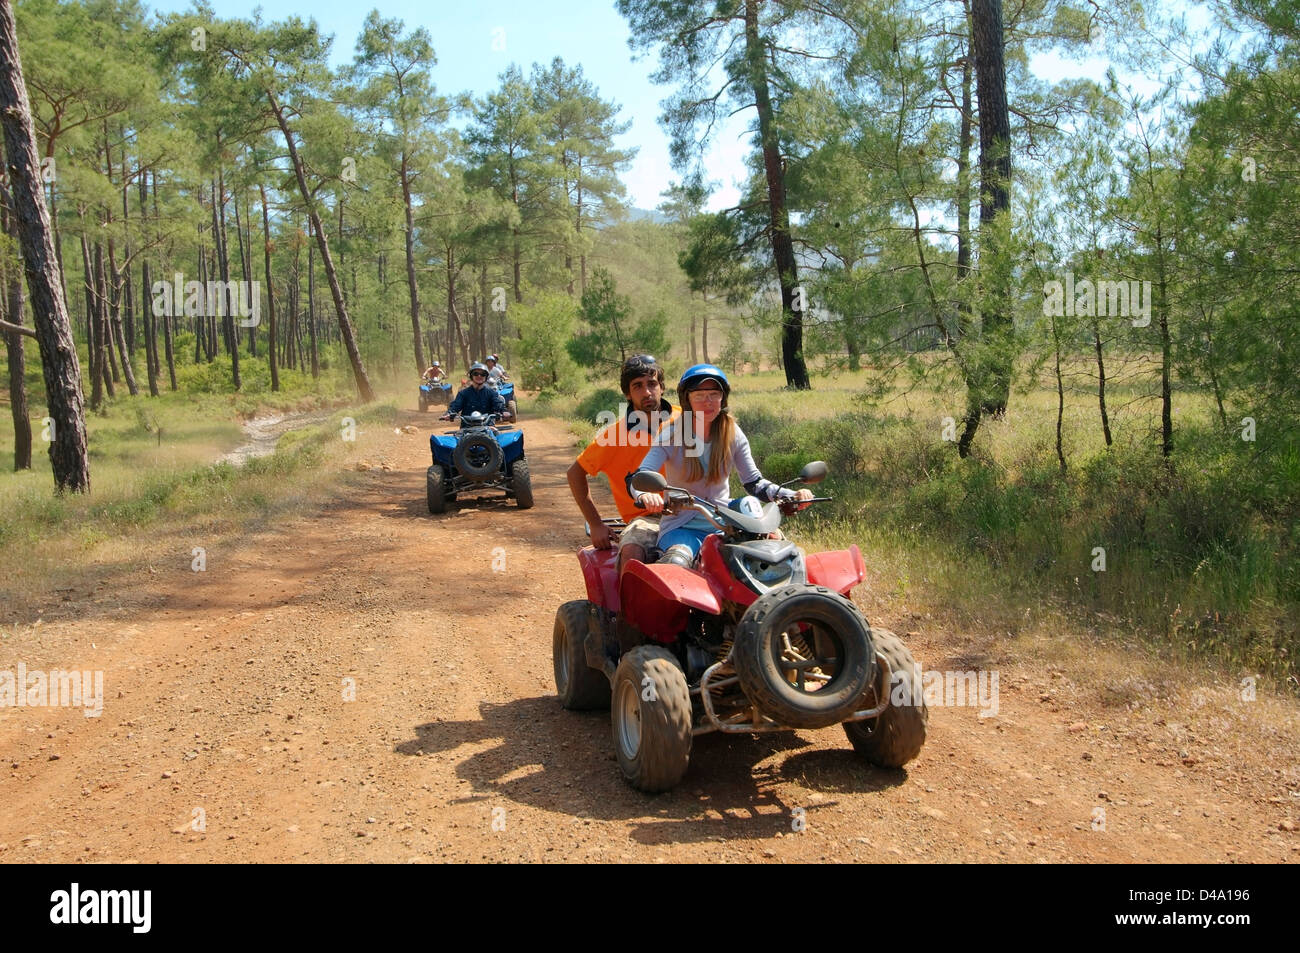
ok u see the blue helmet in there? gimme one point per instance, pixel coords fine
(694, 376)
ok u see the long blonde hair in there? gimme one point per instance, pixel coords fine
(721, 432)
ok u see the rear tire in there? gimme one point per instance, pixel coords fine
(651, 714)
(580, 687)
(894, 737)
(832, 629)
(433, 488)
(521, 484)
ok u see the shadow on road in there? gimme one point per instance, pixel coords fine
(557, 760)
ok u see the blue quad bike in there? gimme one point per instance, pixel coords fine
(507, 391)
(435, 393)
(479, 456)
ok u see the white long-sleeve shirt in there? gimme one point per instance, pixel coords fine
(673, 459)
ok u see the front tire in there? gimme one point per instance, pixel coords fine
(580, 687)
(894, 737)
(651, 713)
(433, 488)
(802, 636)
(521, 484)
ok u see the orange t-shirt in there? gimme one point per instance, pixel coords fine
(617, 453)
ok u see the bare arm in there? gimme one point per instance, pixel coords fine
(581, 491)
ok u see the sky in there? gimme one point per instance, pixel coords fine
(470, 58)
(476, 40)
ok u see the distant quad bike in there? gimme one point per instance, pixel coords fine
(758, 636)
(479, 456)
(435, 393)
(507, 391)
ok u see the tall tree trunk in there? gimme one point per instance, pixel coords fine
(11, 306)
(94, 355)
(1214, 378)
(453, 316)
(150, 330)
(1101, 383)
(796, 371)
(128, 296)
(16, 355)
(517, 265)
(246, 267)
(1060, 395)
(582, 252)
(54, 224)
(412, 286)
(1166, 391)
(199, 320)
(59, 364)
(295, 299)
(105, 330)
(311, 315)
(223, 264)
(963, 188)
(998, 330)
(704, 330)
(119, 337)
(270, 291)
(345, 322)
(693, 360)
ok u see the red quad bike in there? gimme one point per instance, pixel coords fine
(759, 636)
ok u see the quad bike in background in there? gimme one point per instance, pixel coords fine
(480, 455)
(758, 636)
(507, 391)
(435, 393)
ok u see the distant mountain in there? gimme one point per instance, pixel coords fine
(643, 215)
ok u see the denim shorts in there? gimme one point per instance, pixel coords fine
(693, 539)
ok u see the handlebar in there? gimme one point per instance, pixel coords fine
(489, 419)
(677, 500)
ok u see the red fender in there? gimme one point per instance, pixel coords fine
(838, 569)
(658, 598)
(715, 567)
(600, 574)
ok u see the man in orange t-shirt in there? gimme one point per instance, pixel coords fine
(617, 452)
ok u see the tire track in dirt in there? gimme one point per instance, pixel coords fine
(226, 695)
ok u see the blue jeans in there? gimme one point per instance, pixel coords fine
(693, 539)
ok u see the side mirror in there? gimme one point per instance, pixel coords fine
(648, 481)
(814, 472)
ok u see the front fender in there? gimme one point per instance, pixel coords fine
(838, 569)
(442, 447)
(512, 444)
(658, 598)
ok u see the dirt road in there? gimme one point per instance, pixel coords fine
(227, 733)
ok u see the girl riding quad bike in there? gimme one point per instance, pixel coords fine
(742, 633)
